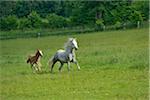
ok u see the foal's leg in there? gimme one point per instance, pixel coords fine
(39, 69)
(61, 66)
(39, 66)
(33, 68)
(36, 67)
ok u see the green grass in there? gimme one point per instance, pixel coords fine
(114, 66)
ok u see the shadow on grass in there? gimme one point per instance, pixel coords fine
(39, 73)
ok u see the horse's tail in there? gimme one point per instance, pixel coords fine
(50, 62)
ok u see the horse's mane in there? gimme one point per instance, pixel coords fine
(68, 43)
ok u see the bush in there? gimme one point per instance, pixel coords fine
(9, 23)
(99, 24)
(35, 19)
(68, 22)
(118, 25)
(24, 23)
(56, 21)
(44, 23)
(135, 17)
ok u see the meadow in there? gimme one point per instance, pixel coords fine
(114, 66)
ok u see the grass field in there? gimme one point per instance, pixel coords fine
(114, 66)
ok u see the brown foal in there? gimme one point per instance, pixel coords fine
(35, 61)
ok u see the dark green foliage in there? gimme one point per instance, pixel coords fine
(143, 8)
(59, 14)
(99, 24)
(7, 7)
(24, 8)
(135, 16)
(24, 23)
(34, 19)
(44, 23)
(117, 25)
(9, 23)
(56, 21)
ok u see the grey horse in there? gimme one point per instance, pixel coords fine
(65, 56)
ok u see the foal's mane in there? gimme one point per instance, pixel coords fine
(38, 52)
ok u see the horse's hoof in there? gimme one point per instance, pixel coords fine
(51, 71)
(60, 71)
(79, 69)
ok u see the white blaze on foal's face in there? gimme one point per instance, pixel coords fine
(41, 52)
(75, 43)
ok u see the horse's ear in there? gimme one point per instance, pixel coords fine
(70, 39)
(74, 38)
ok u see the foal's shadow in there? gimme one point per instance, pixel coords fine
(44, 72)
(39, 73)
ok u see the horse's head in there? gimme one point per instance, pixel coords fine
(40, 52)
(74, 43)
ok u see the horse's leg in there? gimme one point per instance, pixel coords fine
(76, 62)
(61, 66)
(53, 66)
(68, 63)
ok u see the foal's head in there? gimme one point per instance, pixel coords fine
(39, 52)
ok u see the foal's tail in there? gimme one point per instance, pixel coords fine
(28, 60)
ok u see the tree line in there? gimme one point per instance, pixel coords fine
(61, 14)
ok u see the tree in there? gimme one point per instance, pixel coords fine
(24, 23)
(9, 23)
(99, 24)
(143, 8)
(56, 21)
(75, 13)
(7, 8)
(34, 19)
